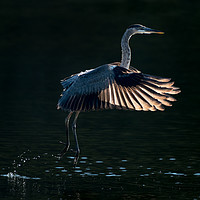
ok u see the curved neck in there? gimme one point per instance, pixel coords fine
(126, 51)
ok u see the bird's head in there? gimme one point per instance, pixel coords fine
(140, 29)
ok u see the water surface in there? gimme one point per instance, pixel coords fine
(124, 155)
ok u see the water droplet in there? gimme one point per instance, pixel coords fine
(78, 171)
(84, 158)
(70, 157)
(90, 174)
(14, 175)
(82, 175)
(59, 167)
(144, 174)
(175, 174)
(99, 161)
(110, 175)
(122, 168)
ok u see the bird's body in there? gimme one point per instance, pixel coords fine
(115, 86)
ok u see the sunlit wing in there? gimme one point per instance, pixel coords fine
(111, 86)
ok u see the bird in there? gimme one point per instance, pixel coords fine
(117, 85)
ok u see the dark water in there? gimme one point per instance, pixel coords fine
(124, 155)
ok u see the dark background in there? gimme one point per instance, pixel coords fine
(125, 155)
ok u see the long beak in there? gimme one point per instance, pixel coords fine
(149, 30)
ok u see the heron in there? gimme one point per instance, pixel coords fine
(117, 85)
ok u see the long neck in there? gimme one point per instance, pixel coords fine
(126, 51)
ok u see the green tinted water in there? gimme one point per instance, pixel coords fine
(124, 155)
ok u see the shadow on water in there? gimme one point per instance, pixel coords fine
(124, 155)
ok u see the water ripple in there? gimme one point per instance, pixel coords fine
(12, 175)
(175, 174)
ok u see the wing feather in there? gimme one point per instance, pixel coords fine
(112, 98)
(115, 94)
(134, 100)
(111, 86)
(124, 98)
(145, 105)
(118, 97)
(121, 97)
(148, 98)
(129, 100)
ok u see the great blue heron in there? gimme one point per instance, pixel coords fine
(114, 86)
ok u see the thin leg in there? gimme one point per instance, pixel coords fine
(67, 119)
(67, 144)
(76, 140)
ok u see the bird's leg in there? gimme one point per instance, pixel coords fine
(67, 144)
(76, 140)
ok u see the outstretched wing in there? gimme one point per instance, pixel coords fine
(110, 86)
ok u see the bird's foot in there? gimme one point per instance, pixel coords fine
(66, 148)
(76, 157)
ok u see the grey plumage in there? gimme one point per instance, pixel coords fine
(115, 86)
